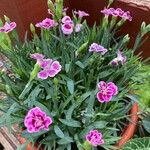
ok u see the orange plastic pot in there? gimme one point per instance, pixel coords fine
(126, 135)
(130, 129)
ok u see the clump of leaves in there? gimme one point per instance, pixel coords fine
(141, 88)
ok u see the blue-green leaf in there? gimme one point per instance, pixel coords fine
(70, 85)
(71, 122)
(58, 131)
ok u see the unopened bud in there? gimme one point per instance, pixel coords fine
(56, 81)
(35, 71)
(82, 48)
(6, 18)
(126, 38)
(32, 28)
(51, 6)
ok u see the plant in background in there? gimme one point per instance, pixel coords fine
(138, 144)
(69, 87)
(141, 88)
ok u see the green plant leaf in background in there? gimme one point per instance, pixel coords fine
(146, 123)
(138, 144)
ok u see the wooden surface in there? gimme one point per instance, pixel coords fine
(7, 140)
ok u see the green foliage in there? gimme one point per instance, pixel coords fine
(69, 98)
(138, 144)
(146, 123)
(142, 79)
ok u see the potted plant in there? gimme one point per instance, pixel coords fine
(69, 88)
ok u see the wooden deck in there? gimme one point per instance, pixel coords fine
(8, 141)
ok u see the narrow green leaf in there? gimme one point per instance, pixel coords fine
(58, 131)
(138, 144)
(70, 85)
(70, 122)
(65, 140)
(80, 64)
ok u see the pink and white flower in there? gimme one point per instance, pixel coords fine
(50, 12)
(78, 27)
(66, 19)
(120, 58)
(65, 10)
(8, 27)
(37, 56)
(50, 69)
(47, 23)
(106, 91)
(67, 28)
(97, 48)
(117, 13)
(37, 120)
(94, 137)
(81, 14)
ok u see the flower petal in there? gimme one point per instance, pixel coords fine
(43, 74)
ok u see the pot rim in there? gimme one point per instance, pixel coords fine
(131, 128)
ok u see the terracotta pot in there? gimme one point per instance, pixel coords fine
(130, 129)
(126, 135)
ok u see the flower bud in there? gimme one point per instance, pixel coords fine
(126, 38)
(81, 48)
(51, 6)
(35, 71)
(32, 28)
(6, 19)
(121, 22)
(110, 2)
(87, 145)
(144, 29)
(56, 81)
(59, 9)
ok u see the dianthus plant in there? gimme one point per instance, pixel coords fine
(69, 88)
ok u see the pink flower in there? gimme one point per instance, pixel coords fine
(46, 23)
(81, 14)
(97, 48)
(37, 120)
(65, 10)
(78, 27)
(67, 28)
(94, 137)
(8, 27)
(127, 16)
(45, 63)
(66, 19)
(120, 58)
(50, 69)
(106, 91)
(37, 56)
(117, 13)
(50, 12)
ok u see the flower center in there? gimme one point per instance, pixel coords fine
(104, 91)
(67, 26)
(38, 122)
